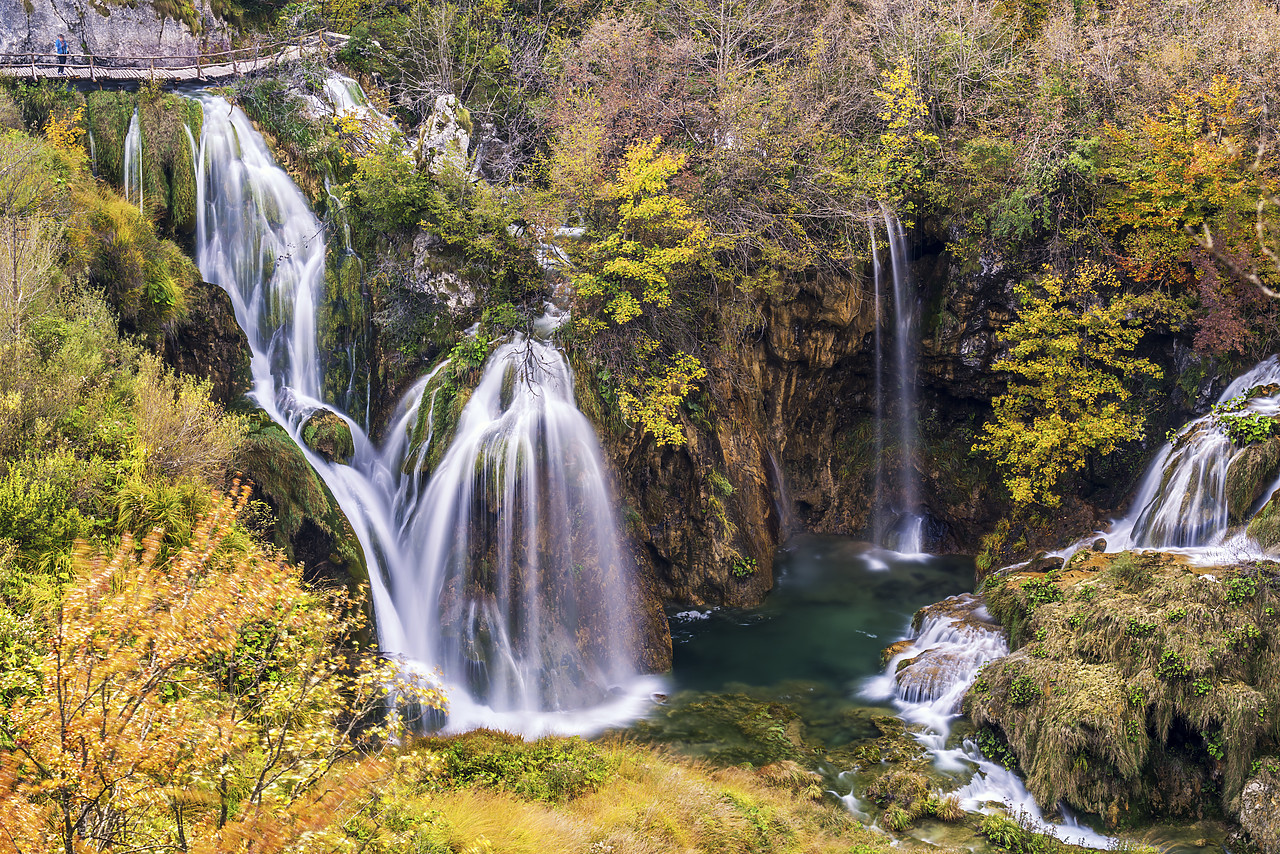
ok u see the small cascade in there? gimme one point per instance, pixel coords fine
(344, 97)
(132, 178)
(782, 504)
(93, 154)
(258, 239)
(904, 532)
(1182, 500)
(927, 678)
(339, 213)
(502, 569)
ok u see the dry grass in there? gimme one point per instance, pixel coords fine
(649, 803)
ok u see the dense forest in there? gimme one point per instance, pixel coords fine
(813, 268)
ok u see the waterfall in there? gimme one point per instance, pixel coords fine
(926, 680)
(502, 569)
(878, 522)
(906, 532)
(132, 178)
(1182, 501)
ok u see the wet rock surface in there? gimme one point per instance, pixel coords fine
(1260, 809)
(108, 29)
(209, 343)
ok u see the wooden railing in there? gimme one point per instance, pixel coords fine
(218, 63)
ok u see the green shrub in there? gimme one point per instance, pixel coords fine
(1024, 690)
(1242, 426)
(549, 769)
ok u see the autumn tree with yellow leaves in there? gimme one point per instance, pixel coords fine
(1071, 363)
(191, 703)
(648, 242)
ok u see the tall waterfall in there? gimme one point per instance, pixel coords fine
(502, 568)
(1182, 499)
(132, 178)
(905, 533)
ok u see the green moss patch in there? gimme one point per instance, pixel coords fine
(1136, 668)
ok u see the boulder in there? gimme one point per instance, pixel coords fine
(1260, 810)
(329, 436)
(445, 137)
(1249, 474)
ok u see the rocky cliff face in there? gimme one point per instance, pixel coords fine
(141, 29)
(783, 439)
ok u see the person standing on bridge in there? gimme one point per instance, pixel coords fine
(61, 47)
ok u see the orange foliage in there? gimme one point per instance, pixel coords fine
(194, 701)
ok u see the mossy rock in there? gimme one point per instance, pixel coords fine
(326, 433)
(1142, 682)
(1265, 526)
(308, 524)
(1251, 471)
(1260, 807)
(168, 166)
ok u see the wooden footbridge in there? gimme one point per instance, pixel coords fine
(199, 67)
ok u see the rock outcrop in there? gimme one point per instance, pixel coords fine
(111, 29)
(1260, 809)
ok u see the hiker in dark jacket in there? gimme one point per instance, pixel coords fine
(61, 47)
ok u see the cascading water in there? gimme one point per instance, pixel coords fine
(132, 177)
(906, 532)
(501, 568)
(926, 680)
(518, 542)
(878, 520)
(1182, 500)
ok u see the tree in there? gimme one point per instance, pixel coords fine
(1184, 198)
(187, 703)
(652, 236)
(648, 240)
(1070, 359)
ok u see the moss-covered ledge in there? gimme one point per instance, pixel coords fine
(1141, 686)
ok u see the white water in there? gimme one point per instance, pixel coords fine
(1181, 501)
(878, 521)
(132, 178)
(951, 646)
(905, 533)
(501, 570)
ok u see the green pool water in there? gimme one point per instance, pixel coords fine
(837, 603)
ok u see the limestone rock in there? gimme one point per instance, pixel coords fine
(110, 29)
(887, 654)
(445, 137)
(1043, 563)
(432, 277)
(1260, 810)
